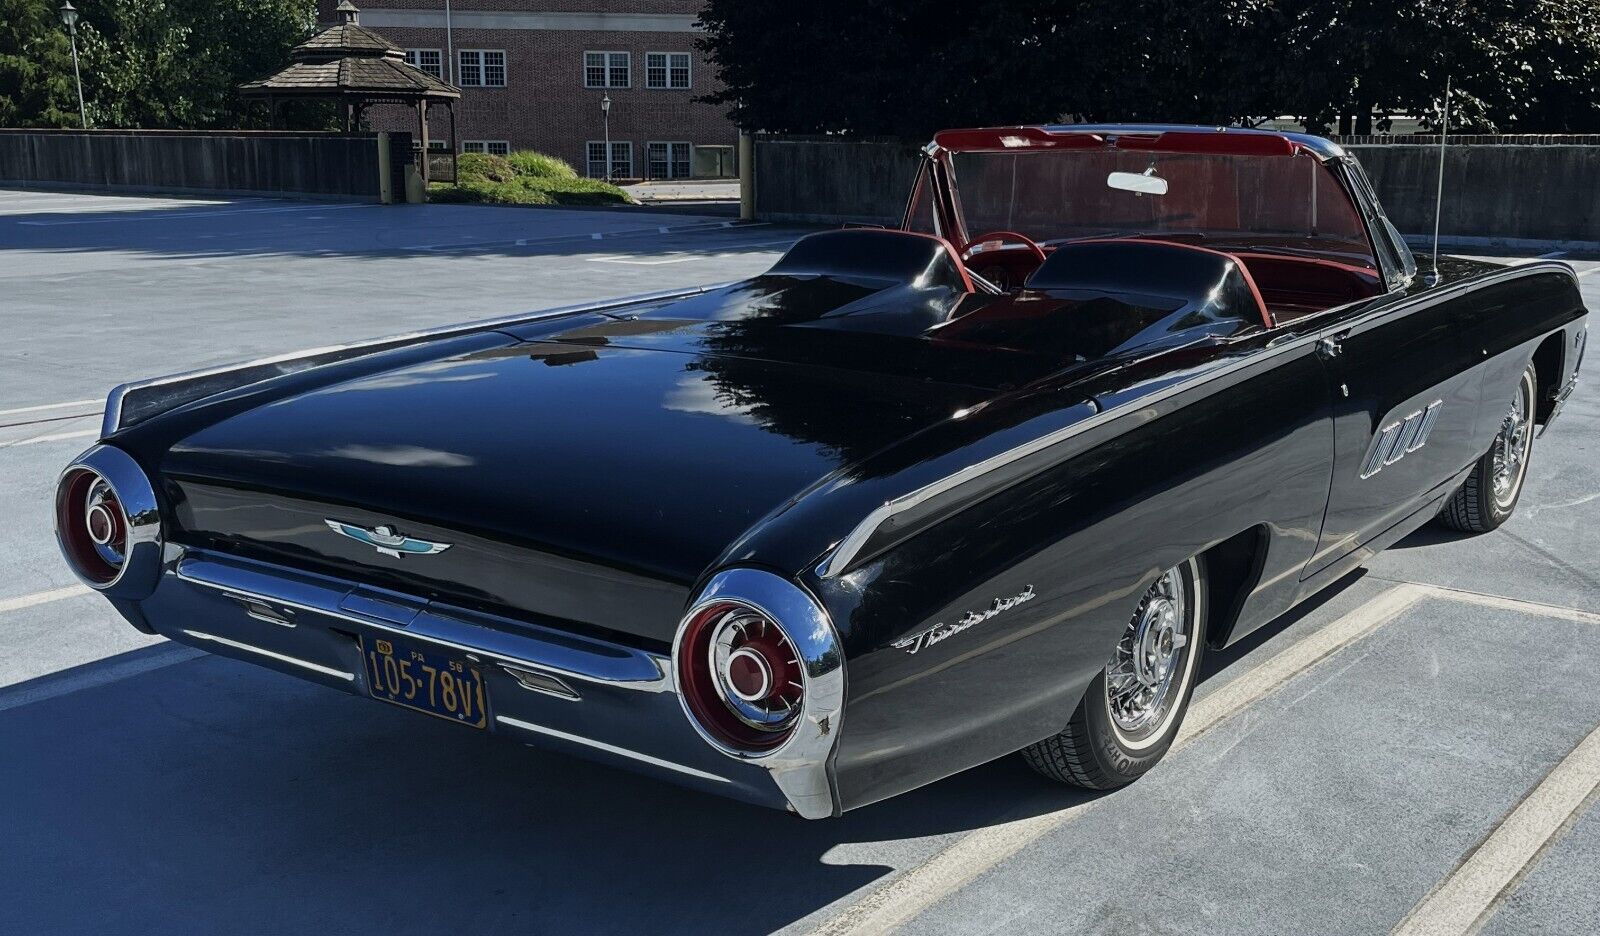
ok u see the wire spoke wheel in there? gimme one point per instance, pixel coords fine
(1149, 670)
(1510, 453)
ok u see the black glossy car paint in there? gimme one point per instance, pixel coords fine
(591, 470)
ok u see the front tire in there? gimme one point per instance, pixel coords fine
(1131, 713)
(1489, 495)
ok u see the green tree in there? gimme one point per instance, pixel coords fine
(908, 67)
(36, 86)
(178, 63)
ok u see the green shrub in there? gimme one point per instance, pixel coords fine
(493, 168)
(500, 180)
(538, 165)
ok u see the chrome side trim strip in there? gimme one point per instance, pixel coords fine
(608, 748)
(280, 657)
(850, 547)
(112, 420)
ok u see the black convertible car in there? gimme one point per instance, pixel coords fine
(908, 501)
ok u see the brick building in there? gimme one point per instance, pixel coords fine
(533, 74)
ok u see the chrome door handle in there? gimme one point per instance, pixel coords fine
(1330, 348)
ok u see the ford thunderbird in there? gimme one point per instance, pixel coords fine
(990, 481)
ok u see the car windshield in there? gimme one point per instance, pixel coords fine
(1291, 202)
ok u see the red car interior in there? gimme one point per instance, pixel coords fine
(1261, 198)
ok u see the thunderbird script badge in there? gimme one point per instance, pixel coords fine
(387, 540)
(940, 632)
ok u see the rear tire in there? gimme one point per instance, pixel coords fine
(1115, 735)
(1489, 495)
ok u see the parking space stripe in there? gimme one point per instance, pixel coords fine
(907, 895)
(43, 597)
(1514, 604)
(48, 406)
(47, 419)
(99, 673)
(1472, 893)
(53, 437)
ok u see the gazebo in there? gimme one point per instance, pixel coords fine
(358, 68)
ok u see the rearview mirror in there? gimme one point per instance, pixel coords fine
(1137, 182)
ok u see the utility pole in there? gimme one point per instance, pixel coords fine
(605, 118)
(449, 49)
(69, 16)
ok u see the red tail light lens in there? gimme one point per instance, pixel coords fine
(741, 676)
(93, 525)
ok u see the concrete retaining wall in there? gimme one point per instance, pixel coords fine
(315, 165)
(833, 181)
(1503, 192)
(1542, 193)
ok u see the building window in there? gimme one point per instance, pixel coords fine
(491, 147)
(607, 70)
(428, 60)
(621, 159)
(666, 70)
(481, 68)
(670, 160)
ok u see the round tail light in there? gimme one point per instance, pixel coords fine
(741, 676)
(93, 525)
(108, 524)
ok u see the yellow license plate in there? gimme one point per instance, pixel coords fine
(421, 678)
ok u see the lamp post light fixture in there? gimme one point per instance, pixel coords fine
(69, 17)
(605, 118)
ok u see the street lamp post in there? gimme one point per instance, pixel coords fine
(605, 118)
(69, 16)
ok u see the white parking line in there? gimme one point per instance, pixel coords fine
(1513, 604)
(53, 437)
(723, 251)
(633, 261)
(1474, 891)
(48, 406)
(43, 597)
(904, 897)
(100, 673)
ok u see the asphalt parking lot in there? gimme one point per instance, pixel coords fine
(1415, 750)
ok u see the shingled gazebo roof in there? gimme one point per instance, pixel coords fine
(354, 65)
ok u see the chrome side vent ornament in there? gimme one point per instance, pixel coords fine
(1400, 438)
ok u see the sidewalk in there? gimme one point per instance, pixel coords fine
(692, 190)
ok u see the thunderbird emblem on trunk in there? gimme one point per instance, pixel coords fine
(387, 540)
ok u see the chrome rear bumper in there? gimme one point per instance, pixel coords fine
(548, 688)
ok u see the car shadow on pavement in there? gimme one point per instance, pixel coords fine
(209, 795)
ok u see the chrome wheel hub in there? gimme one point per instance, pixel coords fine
(1511, 448)
(1141, 681)
(1156, 642)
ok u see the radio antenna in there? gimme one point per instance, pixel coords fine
(1438, 202)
